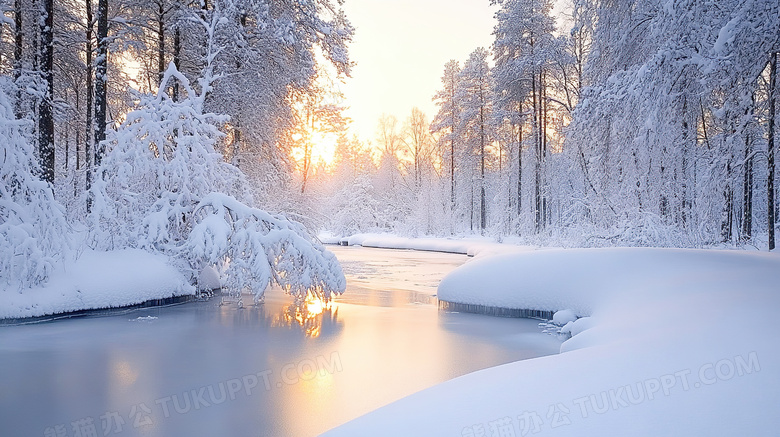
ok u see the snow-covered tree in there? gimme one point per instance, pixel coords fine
(476, 105)
(163, 187)
(665, 133)
(355, 208)
(446, 122)
(529, 58)
(34, 236)
(268, 59)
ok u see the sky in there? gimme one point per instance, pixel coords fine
(400, 48)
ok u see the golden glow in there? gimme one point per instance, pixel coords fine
(123, 373)
(314, 305)
(322, 147)
(309, 315)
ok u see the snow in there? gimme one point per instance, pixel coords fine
(471, 246)
(726, 36)
(98, 280)
(673, 342)
(577, 326)
(208, 279)
(563, 317)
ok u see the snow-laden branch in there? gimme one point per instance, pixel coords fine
(262, 249)
(162, 187)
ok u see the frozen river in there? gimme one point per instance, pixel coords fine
(271, 370)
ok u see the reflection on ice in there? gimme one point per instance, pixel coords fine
(383, 339)
(311, 316)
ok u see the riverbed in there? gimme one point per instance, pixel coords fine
(274, 369)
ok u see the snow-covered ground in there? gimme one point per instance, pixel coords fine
(98, 280)
(471, 246)
(672, 342)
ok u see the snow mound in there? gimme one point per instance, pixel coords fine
(98, 280)
(577, 326)
(677, 342)
(563, 317)
(208, 279)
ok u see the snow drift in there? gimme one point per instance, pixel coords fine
(677, 342)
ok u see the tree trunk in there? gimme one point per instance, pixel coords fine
(519, 167)
(747, 192)
(237, 144)
(543, 142)
(728, 207)
(482, 202)
(538, 158)
(771, 151)
(452, 148)
(89, 122)
(176, 60)
(684, 204)
(46, 115)
(160, 42)
(18, 46)
(101, 80)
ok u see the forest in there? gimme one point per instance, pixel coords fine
(623, 123)
(172, 125)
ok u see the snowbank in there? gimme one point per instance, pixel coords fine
(98, 280)
(676, 342)
(471, 246)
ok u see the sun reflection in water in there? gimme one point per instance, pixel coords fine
(123, 373)
(309, 315)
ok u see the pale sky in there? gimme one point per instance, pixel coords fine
(400, 47)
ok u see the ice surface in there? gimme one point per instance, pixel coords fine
(382, 348)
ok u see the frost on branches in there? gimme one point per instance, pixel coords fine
(260, 248)
(163, 187)
(33, 230)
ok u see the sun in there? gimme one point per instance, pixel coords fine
(322, 146)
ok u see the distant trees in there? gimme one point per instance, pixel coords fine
(316, 115)
(474, 95)
(446, 122)
(646, 123)
(417, 146)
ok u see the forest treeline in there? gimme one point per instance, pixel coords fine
(622, 123)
